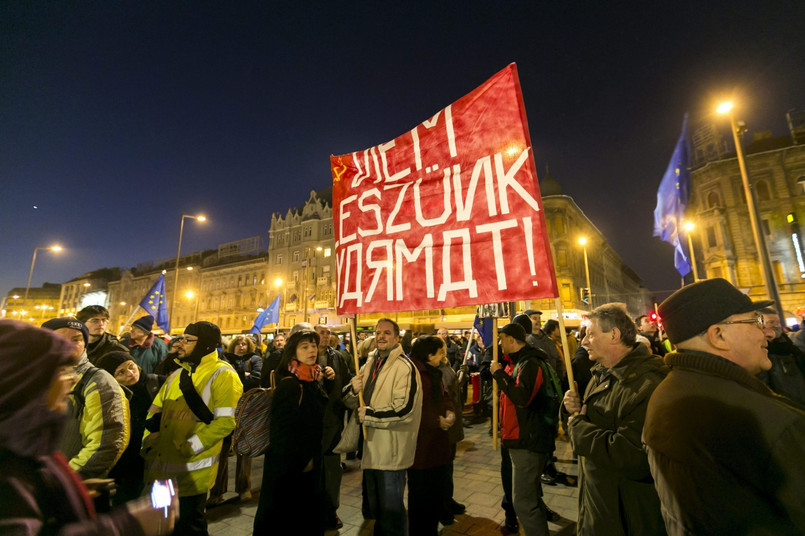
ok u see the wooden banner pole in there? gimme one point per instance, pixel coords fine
(494, 385)
(353, 332)
(565, 349)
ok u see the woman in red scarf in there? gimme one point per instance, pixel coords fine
(39, 492)
(290, 498)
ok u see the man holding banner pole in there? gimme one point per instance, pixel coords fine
(392, 392)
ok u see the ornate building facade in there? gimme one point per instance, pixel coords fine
(723, 243)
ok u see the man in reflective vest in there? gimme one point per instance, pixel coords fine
(192, 413)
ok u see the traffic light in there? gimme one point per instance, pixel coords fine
(585, 294)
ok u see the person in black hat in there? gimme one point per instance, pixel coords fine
(128, 471)
(147, 349)
(188, 420)
(526, 406)
(727, 454)
(97, 431)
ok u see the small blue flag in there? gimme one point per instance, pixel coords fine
(673, 196)
(154, 304)
(269, 315)
(484, 327)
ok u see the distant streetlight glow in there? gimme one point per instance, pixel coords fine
(724, 107)
(55, 248)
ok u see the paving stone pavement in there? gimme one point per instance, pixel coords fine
(477, 485)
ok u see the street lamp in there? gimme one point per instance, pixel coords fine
(754, 214)
(688, 228)
(583, 243)
(31, 271)
(307, 269)
(199, 218)
(190, 295)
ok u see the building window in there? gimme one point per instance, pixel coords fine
(296, 256)
(713, 200)
(561, 257)
(716, 272)
(559, 225)
(297, 235)
(295, 276)
(766, 229)
(279, 259)
(762, 190)
(308, 231)
(711, 237)
(328, 229)
(328, 252)
(566, 292)
(240, 280)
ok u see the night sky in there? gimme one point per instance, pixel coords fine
(117, 116)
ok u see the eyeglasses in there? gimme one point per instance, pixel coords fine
(758, 321)
(188, 341)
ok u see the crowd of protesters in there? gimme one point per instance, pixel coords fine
(697, 428)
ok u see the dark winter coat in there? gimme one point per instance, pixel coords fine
(129, 470)
(432, 443)
(295, 432)
(616, 493)
(107, 343)
(524, 404)
(727, 454)
(450, 381)
(251, 363)
(787, 374)
(335, 409)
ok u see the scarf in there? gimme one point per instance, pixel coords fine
(305, 373)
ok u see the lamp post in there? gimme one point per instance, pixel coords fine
(754, 214)
(178, 254)
(190, 295)
(688, 228)
(31, 271)
(583, 243)
(307, 269)
(278, 284)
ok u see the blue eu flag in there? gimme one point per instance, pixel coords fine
(484, 327)
(269, 315)
(154, 304)
(672, 202)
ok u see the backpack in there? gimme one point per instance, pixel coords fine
(250, 437)
(552, 395)
(253, 421)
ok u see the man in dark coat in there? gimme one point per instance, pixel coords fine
(787, 374)
(616, 493)
(727, 454)
(96, 318)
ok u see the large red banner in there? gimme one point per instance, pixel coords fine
(447, 214)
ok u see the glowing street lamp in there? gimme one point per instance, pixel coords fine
(583, 244)
(54, 248)
(754, 214)
(199, 218)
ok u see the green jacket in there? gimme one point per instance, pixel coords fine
(185, 448)
(616, 493)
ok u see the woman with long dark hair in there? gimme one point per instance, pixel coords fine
(290, 499)
(428, 477)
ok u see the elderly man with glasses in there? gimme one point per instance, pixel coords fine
(726, 453)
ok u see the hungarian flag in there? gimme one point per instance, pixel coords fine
(445, 215)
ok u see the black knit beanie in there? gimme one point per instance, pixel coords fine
(209, 338)
(110, 361)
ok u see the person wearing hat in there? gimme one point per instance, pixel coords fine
(147, 349)
(188, 420)
(39, 492)
(128, 471)
(527, 401)
(538, 338)
(604, 424)
(727, 454)
(98, 431)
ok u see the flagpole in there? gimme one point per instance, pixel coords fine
(353, 333)
(466, 352)
(119, 333)
(494, 384)
(565, 349)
